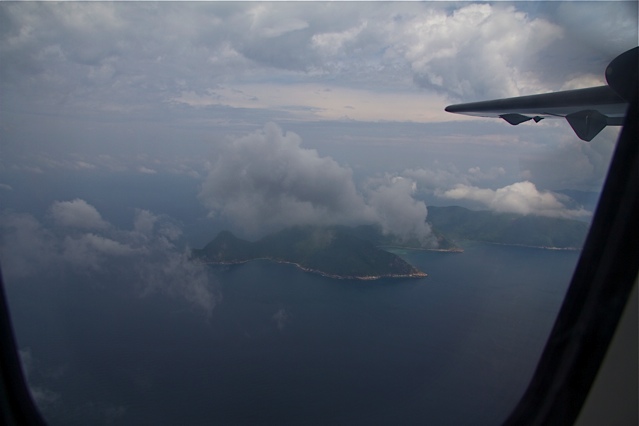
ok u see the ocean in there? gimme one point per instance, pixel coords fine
(285, 347)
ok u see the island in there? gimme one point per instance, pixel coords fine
(345, 252)
(459, 223)
(329, 251)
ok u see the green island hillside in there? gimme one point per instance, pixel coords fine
(329, 251)
(459, 223)
(357, 252)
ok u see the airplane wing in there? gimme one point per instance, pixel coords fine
(587, 111)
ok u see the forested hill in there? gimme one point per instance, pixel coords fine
(459, 223)
(330, 251)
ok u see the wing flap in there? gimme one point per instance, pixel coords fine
(587, 124)
(515, 119)
(588, 111)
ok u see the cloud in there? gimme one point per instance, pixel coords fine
(572, 163)
(85, 165)
(319, 102)
(493, 173)
(281, 318)
(464, 52)
(596, 28)
(26, 246)
(146, 170)
(146, 258)
(120, 60)
(435, 178)
(172, 273)
(77, 214)
(583, 81)
(91, 250)
(43, 397)
(144, 222)
(438, 177)
(266, 181)
(398, 212)
(521, 198)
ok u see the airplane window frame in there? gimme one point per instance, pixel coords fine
(17, 406)
(598, 293)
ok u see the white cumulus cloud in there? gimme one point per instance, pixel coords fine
(267, 181)
(398, 212)
(521, 198)
(477, 51)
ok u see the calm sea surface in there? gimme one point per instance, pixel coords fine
(286, 347)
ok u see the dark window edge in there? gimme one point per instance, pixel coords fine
(596, 297)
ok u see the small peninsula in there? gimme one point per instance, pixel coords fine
(327, 251)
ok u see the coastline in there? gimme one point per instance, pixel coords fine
(451, 250)
(418, 274)
(461, 250)
(536, 247)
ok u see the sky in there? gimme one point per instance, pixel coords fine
(277, 114)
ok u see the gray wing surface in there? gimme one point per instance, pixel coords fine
(587, 111)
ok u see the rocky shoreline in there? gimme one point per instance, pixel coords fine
(418, 274)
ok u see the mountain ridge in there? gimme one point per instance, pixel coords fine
(460, 223)
(357, 252)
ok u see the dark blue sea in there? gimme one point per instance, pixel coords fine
(285, 347)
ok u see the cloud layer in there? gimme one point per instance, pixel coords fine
(131, 58)
(112, 87)
(146, 259)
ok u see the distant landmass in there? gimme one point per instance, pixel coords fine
(356, 253)
(459, 223)
(330, 251)
(586, 199)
